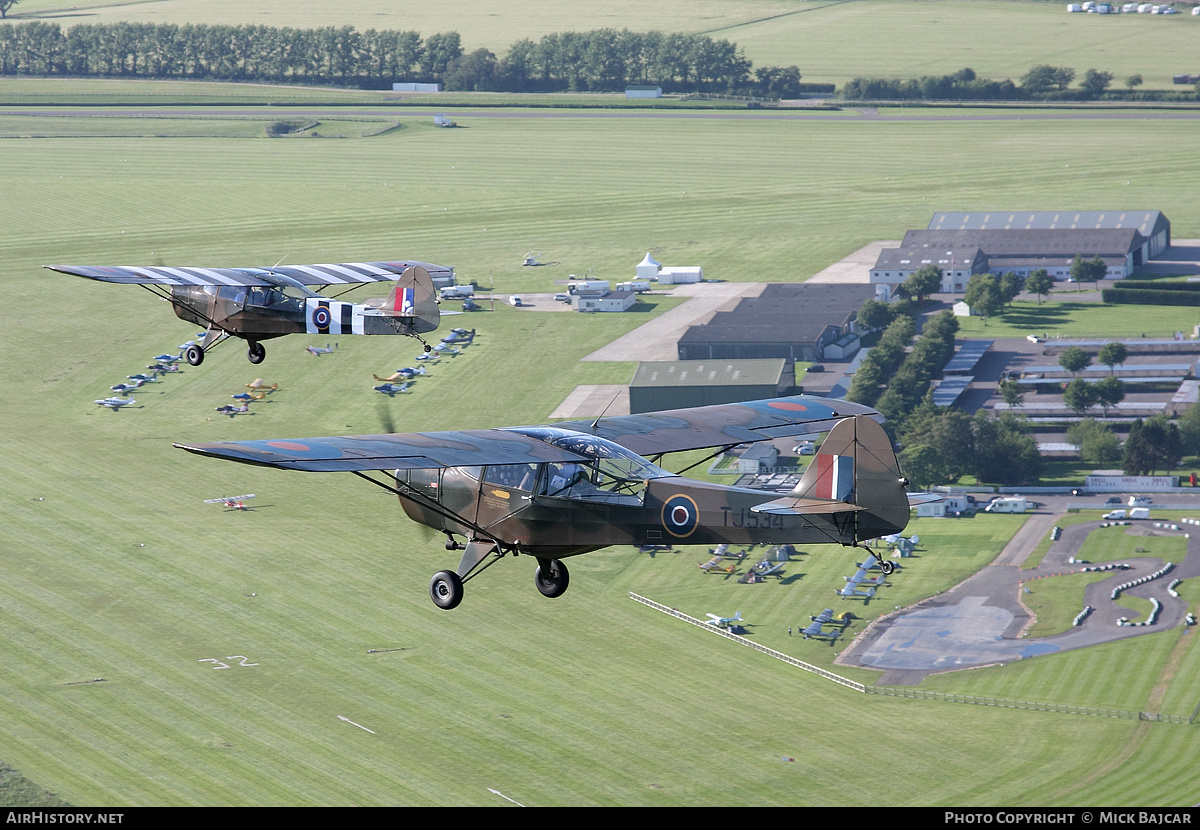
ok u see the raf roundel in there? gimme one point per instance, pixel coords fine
(321, 317)
(679, 516)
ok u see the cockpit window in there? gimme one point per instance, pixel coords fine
(610, 469)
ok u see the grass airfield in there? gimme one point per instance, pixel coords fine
(111, 565)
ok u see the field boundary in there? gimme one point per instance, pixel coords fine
(1003, 703)
(778, 655)
(920, 694)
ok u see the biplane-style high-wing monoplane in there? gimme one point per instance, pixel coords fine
(557, 491)
(257, 304)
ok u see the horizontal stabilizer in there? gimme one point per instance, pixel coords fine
(922, 498)
(790, 506)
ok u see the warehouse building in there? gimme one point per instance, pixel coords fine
(793, 321)
(674, 384)
(963, 244)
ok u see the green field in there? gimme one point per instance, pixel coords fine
(111, 565)
(830, 42)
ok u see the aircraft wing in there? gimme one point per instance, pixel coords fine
(328, 274)
(415, 450)
(701, 427)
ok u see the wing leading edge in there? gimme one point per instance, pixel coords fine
(657, 432)
(326, 274)
(411, 451)
(719, 425)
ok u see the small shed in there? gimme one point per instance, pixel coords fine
(605, 301)
(643, 91)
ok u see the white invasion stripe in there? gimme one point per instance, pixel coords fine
(218, 277)
(351, 269)
(322, 277)
(332, 270)
(373, 270)
(151, 274)
(183, 277)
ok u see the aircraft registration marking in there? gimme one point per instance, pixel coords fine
(744, 517)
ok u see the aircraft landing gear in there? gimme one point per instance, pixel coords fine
(551, 577)
(887, 567)
(194, 355)
(256, 353)
(446, 589)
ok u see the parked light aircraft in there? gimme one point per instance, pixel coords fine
(552, 492)
(815, 632)
(827, 616)
(257, 304)
(232, 502)
(459, 336)
(850, 592)
(390, 389)
(723, 622)
(116, 403)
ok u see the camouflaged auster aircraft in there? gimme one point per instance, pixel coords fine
(257, 304)
(557, 491)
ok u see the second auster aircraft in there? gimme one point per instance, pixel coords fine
(257, 304)
(552, 492)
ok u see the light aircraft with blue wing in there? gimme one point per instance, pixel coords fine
(552, 492)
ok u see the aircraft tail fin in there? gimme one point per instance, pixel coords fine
(413, 297)
(855, 470)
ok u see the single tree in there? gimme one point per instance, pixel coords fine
(1109, 392)
(922, 282)
(1087, 270)
(1010, 390)
(1074, 360)
(1113, 354)
(1010, 287)
(5, 5)
(983, 296)
(874, 314)
(1132, 81)
(1039, 283)
(1094, 83)
(1079, 395)
(1097, 443)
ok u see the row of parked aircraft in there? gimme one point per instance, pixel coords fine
(163, 364)
(400, 380)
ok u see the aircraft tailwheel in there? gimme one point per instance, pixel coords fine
(887, 567)
(551, 577)
(446, 589)
(194, 355)
(257, 353)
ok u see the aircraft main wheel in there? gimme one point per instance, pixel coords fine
(446, 589)
(887, 567)
(551, 577)
(194, 355)
(257, 353)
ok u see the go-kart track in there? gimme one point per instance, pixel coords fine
(981, 621)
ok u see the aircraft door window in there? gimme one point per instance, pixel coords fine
(512, 476)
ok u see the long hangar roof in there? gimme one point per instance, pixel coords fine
(1147, 222)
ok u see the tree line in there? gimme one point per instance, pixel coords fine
(603, 60)
(1041, 83)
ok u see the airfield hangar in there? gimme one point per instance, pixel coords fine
(964, 244)
(792, 321)
(675, 384)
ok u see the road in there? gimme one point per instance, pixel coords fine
(982, 620)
